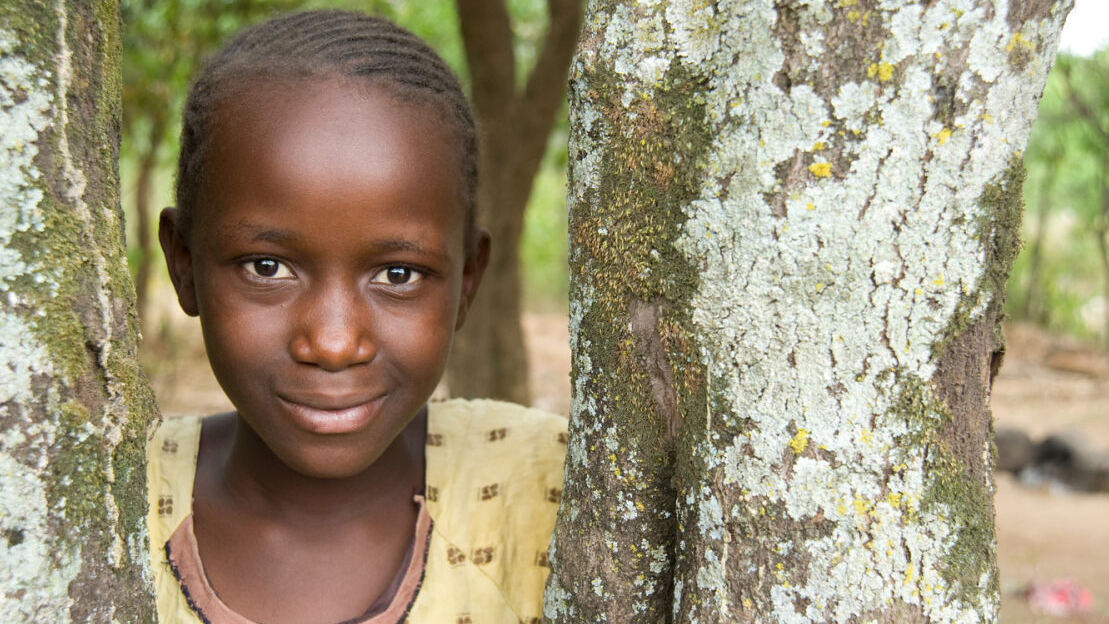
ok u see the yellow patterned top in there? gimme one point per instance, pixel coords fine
(494, 482)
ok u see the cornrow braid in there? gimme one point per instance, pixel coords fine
(323, 44)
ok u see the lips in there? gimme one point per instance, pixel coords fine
(331, 414)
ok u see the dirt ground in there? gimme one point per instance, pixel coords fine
(1047, 384)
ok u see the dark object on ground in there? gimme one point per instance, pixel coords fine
(1068, 459)
(1015, 450)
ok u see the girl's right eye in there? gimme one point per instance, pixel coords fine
(268, 268)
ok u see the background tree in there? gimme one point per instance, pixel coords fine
(1055, 284)
(791, 225)
(74, 406)
(488, 359)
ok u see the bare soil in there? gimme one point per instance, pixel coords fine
(1047, 384)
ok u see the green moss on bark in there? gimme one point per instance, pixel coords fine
(998, 231)
(951, 493)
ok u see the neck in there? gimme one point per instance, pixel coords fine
(256, 477)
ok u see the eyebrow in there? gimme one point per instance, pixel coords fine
(258, 233)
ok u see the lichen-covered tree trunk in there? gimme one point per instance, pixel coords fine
(791, 224)
(74, 407)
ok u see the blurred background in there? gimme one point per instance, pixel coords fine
(1050, 402)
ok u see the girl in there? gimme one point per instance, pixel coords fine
(325, 236)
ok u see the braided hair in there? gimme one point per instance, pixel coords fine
(324, 44)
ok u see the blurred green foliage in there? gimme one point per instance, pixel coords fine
(166, 42)
(1061, 278)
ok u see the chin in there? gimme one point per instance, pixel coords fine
(327, 463)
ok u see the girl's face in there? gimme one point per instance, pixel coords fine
(327, 264)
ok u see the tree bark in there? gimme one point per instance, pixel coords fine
(488, 358)
(791, 225)
(74, 406)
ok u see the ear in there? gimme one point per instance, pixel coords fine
(179, 259)
(476, 262)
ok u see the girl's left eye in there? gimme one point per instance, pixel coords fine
(397, 276)
(268, 268)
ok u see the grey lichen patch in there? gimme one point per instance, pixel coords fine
(836, 238)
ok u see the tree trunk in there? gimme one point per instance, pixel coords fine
(148, 160)
(791, 225)
(488, 359)
(74, 406)
(1036, 306)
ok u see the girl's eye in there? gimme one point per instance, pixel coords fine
(397, 276)
(268, 268)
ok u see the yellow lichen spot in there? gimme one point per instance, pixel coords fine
(872, 70)
(819, 146)
(865, 436)
(987, 118)
(894, 499)
(862, 507)
(800, 441)
(810, 206)
(826, 123)
(866, 18)
(943, 135)
(762, 143)
(853, 16)
(1019, 41)
(938, 281)
(842, 509)
(747, 603)
(847, 3)
(821, 169)
(958, 13)
(820, 287)
(944, 26)
(884, 71)
(918, 291)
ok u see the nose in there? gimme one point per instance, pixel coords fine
(332, 329)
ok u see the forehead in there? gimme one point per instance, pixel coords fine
(329, 136)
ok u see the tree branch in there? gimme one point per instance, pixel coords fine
(546, 84)
(487, 38)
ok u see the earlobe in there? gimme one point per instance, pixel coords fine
(175, 247)
(476, 262)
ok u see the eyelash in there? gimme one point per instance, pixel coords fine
(411, 276)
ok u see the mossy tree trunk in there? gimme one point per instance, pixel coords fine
(791, 224)
(74, 407)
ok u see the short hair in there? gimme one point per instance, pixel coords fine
(318, 45)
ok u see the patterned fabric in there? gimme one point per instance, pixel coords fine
(494, 479)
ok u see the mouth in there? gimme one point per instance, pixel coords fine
(331, 416)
